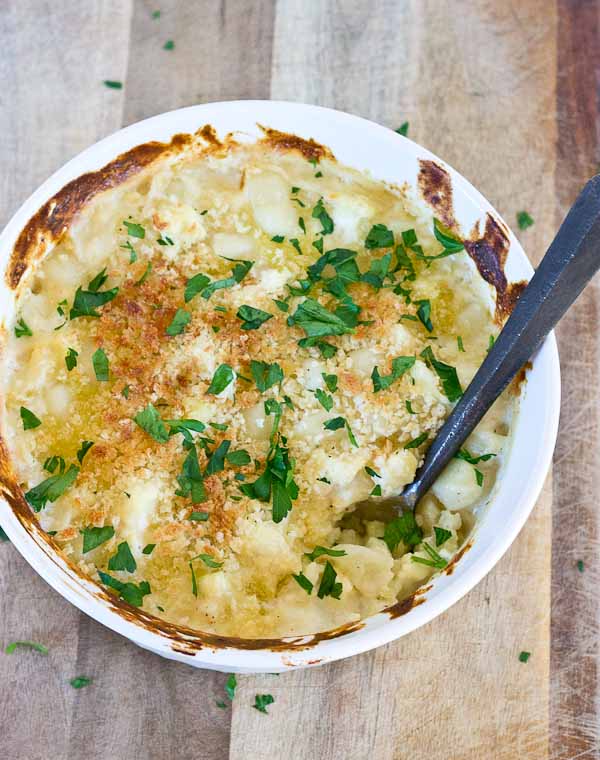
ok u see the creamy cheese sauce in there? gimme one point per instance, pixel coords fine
(225, 354)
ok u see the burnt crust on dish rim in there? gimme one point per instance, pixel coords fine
(488, 250)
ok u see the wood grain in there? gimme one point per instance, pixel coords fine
(507, 93)
(574, 709)
(446, 679)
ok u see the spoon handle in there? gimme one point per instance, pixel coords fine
(570, 262)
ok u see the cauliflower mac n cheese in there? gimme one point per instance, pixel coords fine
(222, 356)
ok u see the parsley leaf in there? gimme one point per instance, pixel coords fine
(123, 559)
(22, 329)
(261, 701)
(169, 45)
(239, 458)
(216, 463)
(304, 582)
(321, 214)
(202, 284)
(230, 686)
(400, 365)
(199, 516)
(83, 450)
(13, 646)
(459, 343)
(403, 129)
(331, 381)
(150, 421)
(524, 220)
(179, 322)
(148, 549)
(30, 421)
(185, 427)
(100, 363)
(379, 237)
(86, 302)
(320, 551)
(447, 374)
(424, 313)
(191, 481)
(223, 376)
(524, 656)
(324, 399)
(339, 422)
(93, 537)
(80, 681)
(441, 535)
(71, 359)
(50, 489)
(435, 560)
(251, 317)
(328, 585)
(130, 592)
(464, 454)
(317, 322)
(416, 442)
(135, 230)
(113, 84)
(443, 235)
(403, 528)
(265, 375)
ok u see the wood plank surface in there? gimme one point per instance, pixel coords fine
(507, 93)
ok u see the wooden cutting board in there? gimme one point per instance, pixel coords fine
(505, 92)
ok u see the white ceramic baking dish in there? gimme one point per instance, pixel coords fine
(395, 159)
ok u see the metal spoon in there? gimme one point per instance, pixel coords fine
(569, 264)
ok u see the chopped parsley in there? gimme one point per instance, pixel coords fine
(100, 364)
(239, 458)
(208, 561)
(251, 317)
(339, 422)
(135, 230)
(304, 582)
(148, 549)
(125, 391)
(144, 277)
(191, 481)
(580, 565)
(296, 243)
(446, 373)
(478, 477)
(278, 238)
(444, 236)
(199, 516)
(150, 421)
(132, 254)
(179, 322)
(416, 442)
(464, 454)
(12, 647)
(403, 129)
(434, 560)
(261, 702)
(22, 329)
(123, 559)
(320, 551)
(424, 313)
(328, 585)
(50, 489)
(324, 399)
(155, 14)
(331, 381)
(166, 240)
(524, 220)
(216, 462)
(403, 528)
(319, 212)
(301, 224)
(94, 537)
(317, 322)
(408, 406)
(459, 343)
(131, 593)
(223, 376)
(71, 359)
(379, 237)
(87, 301)
(371, 472)
(169, 45)
(400, 365)
(80, 682)
(230, 686)
(281, 305)
(30, 421)
(201, 284)
(83, 450)
(441, 535)
(113, 84)
(524, 656)
(265, 375)
(3, 536)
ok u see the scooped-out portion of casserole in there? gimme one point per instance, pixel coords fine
(219, 358)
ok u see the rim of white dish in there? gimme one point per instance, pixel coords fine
(532, 440)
